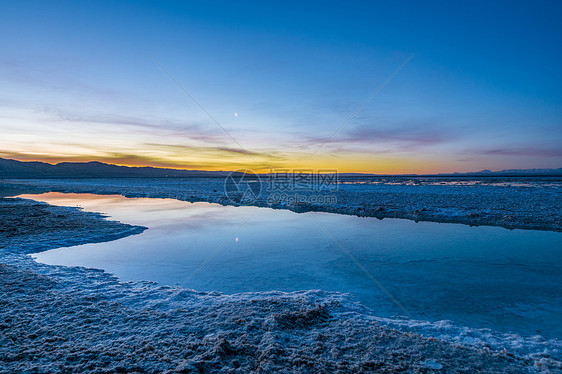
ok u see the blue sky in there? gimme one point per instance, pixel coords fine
(479, 87)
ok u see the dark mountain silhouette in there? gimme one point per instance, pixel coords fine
(93, 169)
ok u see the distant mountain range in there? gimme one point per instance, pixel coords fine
(93, 169)
(12, 169)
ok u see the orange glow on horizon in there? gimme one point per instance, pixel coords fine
(351, 164)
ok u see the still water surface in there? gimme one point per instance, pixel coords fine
(507, 280)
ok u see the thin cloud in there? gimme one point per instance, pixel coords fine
(162, 126)
(411, 136)
(525, 151)
(59, 79)
(210, 150)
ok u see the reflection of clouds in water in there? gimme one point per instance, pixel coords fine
(156, 212)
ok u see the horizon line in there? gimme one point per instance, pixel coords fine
(244, 170)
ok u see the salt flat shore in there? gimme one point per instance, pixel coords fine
(77, 320)
(513, 203)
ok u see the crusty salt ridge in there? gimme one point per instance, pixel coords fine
(71, 319)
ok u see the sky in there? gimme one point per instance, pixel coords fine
(355, 86)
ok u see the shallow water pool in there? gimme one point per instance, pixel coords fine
(506, 280)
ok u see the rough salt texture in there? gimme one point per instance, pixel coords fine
(523, 203)
(77, 320)
(26, 221)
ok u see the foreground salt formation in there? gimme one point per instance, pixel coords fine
(59, 319)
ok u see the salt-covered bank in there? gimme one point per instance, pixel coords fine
(60, 319)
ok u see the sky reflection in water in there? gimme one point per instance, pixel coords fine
(508, 280)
